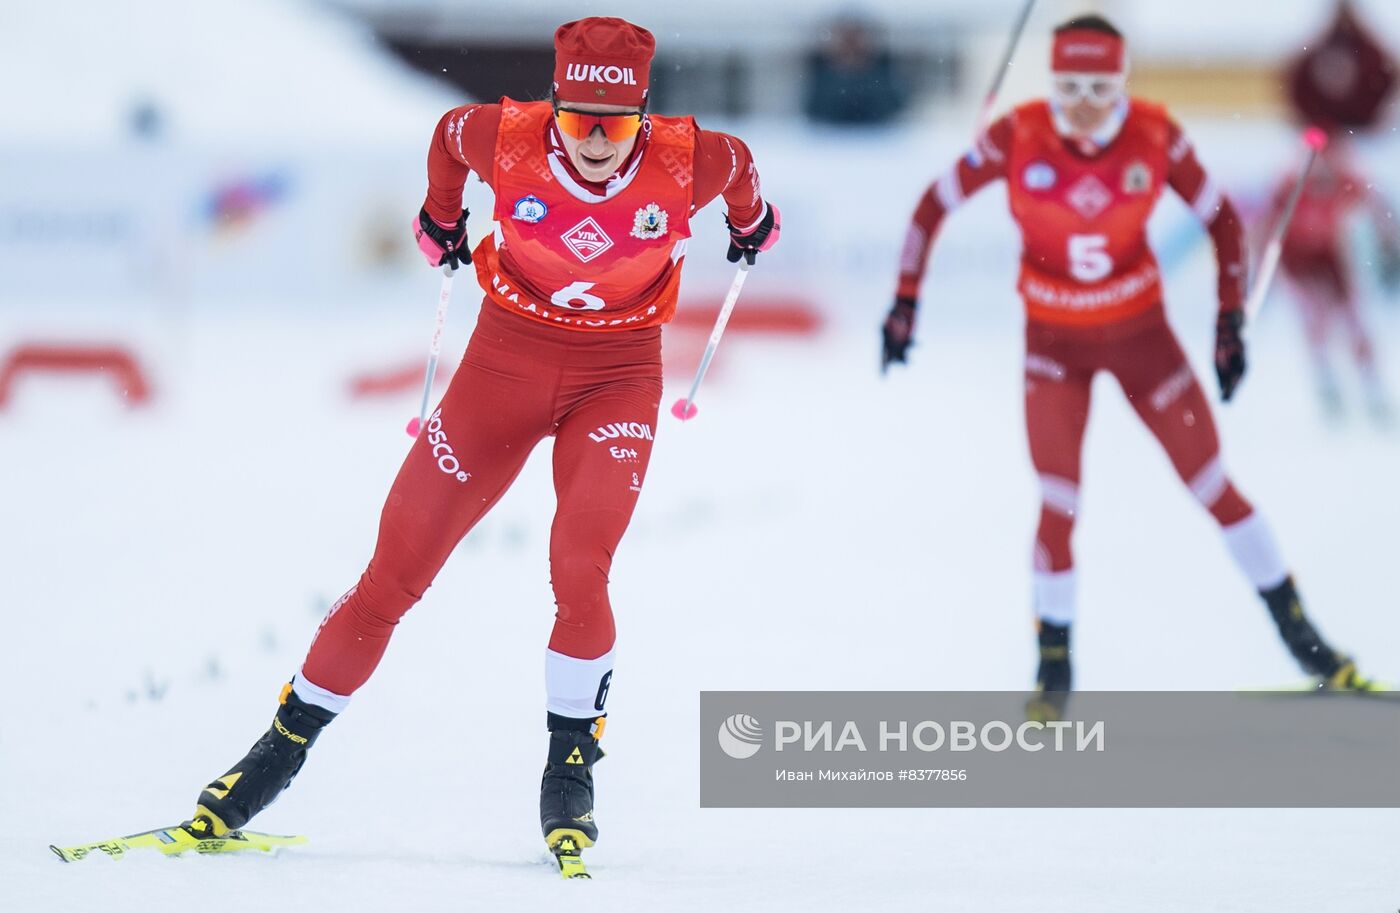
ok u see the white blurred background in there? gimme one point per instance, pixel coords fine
(208, 205)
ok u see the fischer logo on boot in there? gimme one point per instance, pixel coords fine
(287, 733)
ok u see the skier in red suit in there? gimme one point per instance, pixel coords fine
(593, 200)
(1321, 277)
(1084, 171)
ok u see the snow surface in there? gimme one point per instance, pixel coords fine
(816, 527)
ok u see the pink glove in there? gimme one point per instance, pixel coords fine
(442, 243)
(758, 237)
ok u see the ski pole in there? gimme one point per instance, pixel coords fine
(416, 423)
(1005, 64)
(685, 409)
(1316, 140)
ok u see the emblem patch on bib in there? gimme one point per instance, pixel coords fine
(1039, 176)
(1137, 178)
(650, 222)
(587, 239)
(1089, 196)
(530, 209)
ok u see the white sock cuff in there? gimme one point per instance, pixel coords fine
(1252, 545)
(315, 694)
(576, 688)
(1053, 595)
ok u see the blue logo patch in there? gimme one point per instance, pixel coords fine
(530, 209)
(1039, 176)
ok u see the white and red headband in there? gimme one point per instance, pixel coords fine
(1088, 51)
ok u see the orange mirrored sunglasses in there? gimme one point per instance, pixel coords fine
(579, 125)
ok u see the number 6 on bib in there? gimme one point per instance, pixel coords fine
(577, 291)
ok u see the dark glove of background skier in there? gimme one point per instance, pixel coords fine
(1229, 352)
(897, 333)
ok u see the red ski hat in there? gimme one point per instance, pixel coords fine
(1087, 51)
(602, 60)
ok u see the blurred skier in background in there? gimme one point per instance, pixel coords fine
(1085, 169)
(1341, 83)
(1318, 271)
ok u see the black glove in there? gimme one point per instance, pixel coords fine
(898, 333)
(442, 244)
(1229, 352)
(759, 238)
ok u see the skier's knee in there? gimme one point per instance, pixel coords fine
(1059, 505)
(386, 593)
(583, 618)
(580, 581)
(1217, 494)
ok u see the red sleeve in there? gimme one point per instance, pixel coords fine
(1216, 212)
(464, 141)
(724, 165)
(984, 163)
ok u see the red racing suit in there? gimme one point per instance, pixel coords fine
(1093, 293)
(579, 277)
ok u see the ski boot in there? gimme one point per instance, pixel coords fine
(269, 767)
(1053, 678)
(566, 790)
(1334, 671)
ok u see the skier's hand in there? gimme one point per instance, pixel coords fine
(1229, 352)
(897, 333)
(757, 237)
(442, 243)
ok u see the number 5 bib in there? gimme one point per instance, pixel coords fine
(564, 256)
(1084, 219)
